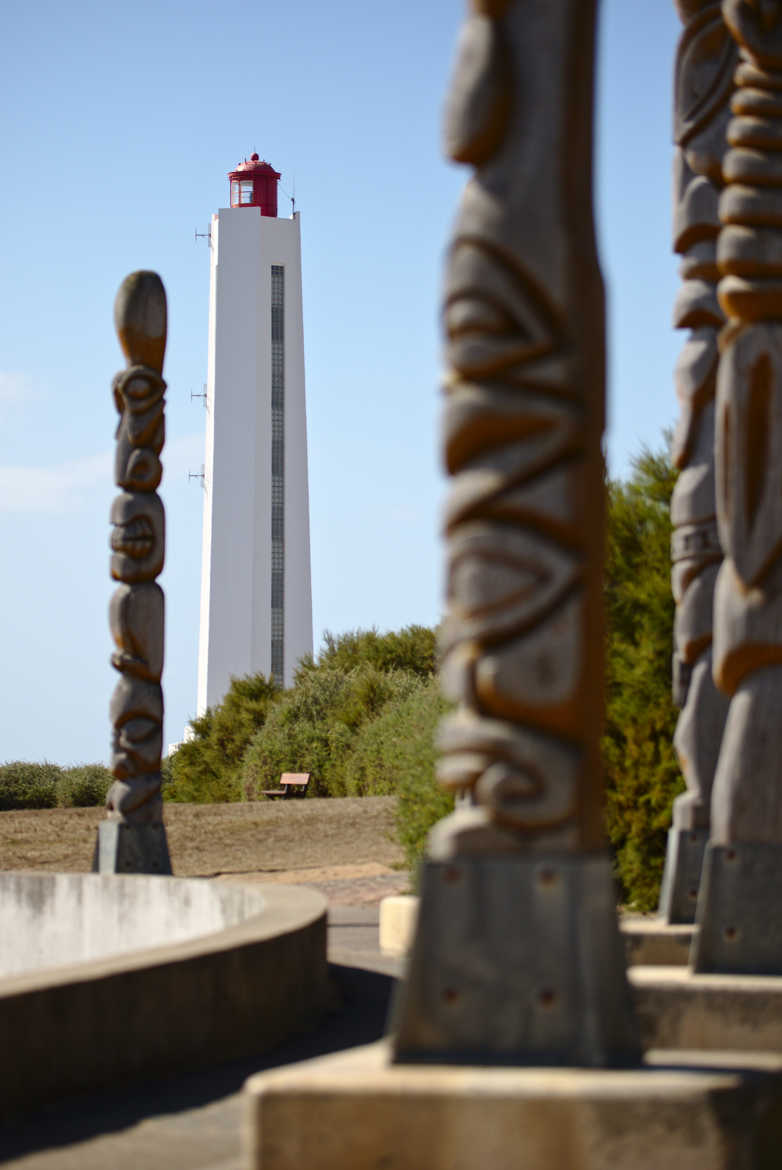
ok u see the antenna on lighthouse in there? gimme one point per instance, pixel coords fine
(292, 196)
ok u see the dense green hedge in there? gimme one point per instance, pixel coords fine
(24, 785)
(316, 726)
(409, 741)
(413, 649)
(207, 768)
(240, 747)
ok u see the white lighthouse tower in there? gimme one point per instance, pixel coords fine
(256, 597)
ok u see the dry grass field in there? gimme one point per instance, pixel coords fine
(276, 840)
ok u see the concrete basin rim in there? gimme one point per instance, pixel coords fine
(287, 909)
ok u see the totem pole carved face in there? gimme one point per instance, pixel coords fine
(136, 748)
(136, 712)
(138, 395)
(136, 618)
(703, 81)
(491, 334)
(138, 537)
(757, 25)
(136, 469)
(479, 97)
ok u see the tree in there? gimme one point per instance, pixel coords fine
(413, 649)
(642, 776)
(205, 767)
(313, 727)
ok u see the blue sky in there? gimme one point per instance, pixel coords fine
(119, 125)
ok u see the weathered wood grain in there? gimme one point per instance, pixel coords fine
(523, 317)
(705, 62)
(136, 613)
(747, 797)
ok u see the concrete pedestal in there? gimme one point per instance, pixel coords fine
(653, 942)
(123, 848)
(646, 940)
(739, 910)
(682, 874)
(355, 1109)
(679, 1009)
(517, 960)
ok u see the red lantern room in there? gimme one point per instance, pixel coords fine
(254, 184)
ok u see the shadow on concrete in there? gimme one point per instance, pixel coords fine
(361, 1003)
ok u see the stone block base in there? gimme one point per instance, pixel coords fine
(355, 1109)
(122, 848)
(679, 1009)
(652, 942)
(682, 874)
(739, 910)
(517, 960)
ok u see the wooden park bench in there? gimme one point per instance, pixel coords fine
(291, 783)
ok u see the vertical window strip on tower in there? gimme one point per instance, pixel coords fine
(278, 470)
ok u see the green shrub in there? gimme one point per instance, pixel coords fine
(83, 786)
(166, 773)
(25, 785)
(412, 649)
(313, 726)
(297, 735)
(420, 799)
(241, 746)
(206, 768)
(379, 752)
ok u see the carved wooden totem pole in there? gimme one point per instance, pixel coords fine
(517, 957)
(133, 838)
(703, 83)
(738, 911)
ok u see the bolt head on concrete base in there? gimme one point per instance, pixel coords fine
(739, 910)
(517, 960)
(682, 874)
(354, 1109)
(123, 848)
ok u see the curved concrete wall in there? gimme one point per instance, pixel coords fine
(47, 919)
(258, 976)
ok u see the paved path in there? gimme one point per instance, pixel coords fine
(368, 892)
(341, 885)
(193, 1122)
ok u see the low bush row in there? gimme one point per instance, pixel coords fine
(24, 785)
